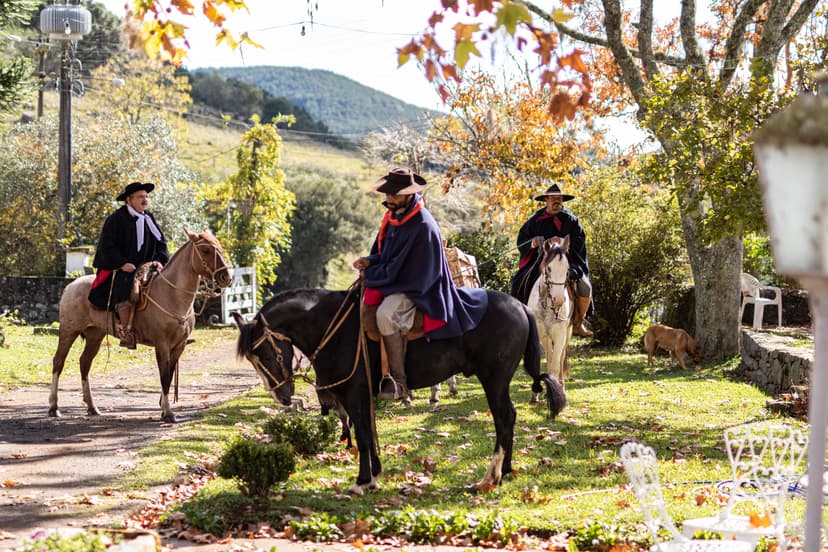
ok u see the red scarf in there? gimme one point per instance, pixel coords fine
(390, 219)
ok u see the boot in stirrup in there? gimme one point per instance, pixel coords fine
(581, 308)
(393, 387)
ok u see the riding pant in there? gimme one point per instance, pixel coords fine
(583, 287)
(395, 314)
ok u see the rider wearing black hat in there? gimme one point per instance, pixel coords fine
(130, 237)
(554, 221)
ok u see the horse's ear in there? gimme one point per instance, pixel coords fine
(238, 319)
(190, 235)
(565, 244)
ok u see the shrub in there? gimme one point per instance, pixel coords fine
(56, 542)
(635, 246)
(256, 465)
(306, 434)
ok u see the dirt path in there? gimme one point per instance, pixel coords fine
(52, 470)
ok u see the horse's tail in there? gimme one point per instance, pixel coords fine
(555, 396)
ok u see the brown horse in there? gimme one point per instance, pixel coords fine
(165, 324)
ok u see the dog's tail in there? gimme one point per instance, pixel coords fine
(555, 396)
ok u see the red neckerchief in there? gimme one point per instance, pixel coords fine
(389, 219)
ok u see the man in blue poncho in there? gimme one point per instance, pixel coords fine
(407, 270)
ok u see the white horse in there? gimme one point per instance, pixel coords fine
(552, 302)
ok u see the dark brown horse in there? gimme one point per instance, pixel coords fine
(325, 326)
(165, 324)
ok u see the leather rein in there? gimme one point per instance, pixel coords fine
(275, 338)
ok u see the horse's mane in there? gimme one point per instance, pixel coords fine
(302, 298)
(205, 235)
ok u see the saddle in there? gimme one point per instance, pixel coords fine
(141, 285)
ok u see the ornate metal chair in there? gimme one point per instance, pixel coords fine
(641, 468)
(766, 459)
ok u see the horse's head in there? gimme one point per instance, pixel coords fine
(555, 269)
(208, 259)
(271, 354)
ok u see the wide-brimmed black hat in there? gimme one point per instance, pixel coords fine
(553, 190)
(133, 187)
(400, 181)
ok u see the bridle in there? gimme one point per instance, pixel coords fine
(275, 338)
(549, 283)
(212, 288)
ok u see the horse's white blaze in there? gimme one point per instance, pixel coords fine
(552, 305)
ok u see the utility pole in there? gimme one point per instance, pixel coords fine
(64, 189)
(41, 74)
(65, 24)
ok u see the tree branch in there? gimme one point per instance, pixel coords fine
(798, 19)
(630, 72)
(574, 34)
(687, 25)
(645, 39)
(733, 45)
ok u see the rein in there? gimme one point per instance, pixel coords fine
(273, 338)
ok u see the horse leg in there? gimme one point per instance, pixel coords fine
(370, 467)
(93, 345)
(555, 353)
(435, 391)
(167, 361)
(546, 344)
(65, 341)
(452, 383)
(504, 416)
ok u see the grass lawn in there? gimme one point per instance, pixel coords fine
(568, 470)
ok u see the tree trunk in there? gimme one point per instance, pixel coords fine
(716, 270)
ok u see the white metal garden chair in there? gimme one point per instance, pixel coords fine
(766, 458)
(641, 467)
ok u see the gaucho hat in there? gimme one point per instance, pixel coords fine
(400, 181)
(133, 187)
(553, 190)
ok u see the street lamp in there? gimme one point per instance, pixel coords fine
(791, 152)
(65, 24)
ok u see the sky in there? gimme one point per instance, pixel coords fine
(355, 38)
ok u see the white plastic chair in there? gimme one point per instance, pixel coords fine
(752, 294)
(640, 464)
(766, 458)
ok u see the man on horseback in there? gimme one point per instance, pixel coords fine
(554, 221)
(407, 270)
(130, 238)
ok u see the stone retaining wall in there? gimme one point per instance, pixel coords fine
(34, 298)
(772, 363)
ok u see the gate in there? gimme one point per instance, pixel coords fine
(240, 296)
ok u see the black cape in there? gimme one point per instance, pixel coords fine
(117, 245)
(543, 224)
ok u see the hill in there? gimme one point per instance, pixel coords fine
(345, 106)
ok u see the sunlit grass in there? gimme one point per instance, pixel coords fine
(567, 470)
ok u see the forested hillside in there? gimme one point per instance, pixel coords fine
(343, 105)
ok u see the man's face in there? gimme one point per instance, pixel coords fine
(554, 204)
(138, 201)
(397, 201)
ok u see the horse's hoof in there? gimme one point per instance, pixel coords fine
(54, 413)
(356, 490)
(374, 484)
(171, 419)
(434, 401)
(93, 411)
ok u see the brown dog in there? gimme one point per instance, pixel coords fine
(676, 341)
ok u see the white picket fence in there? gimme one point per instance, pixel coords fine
(240, 296)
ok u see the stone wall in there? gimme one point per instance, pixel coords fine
(772, 362)
(34, 298)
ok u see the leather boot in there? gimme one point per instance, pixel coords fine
(581, 308)
(393, 387)
(127, 337)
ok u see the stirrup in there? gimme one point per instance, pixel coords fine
(385, 395)
(127, 337)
